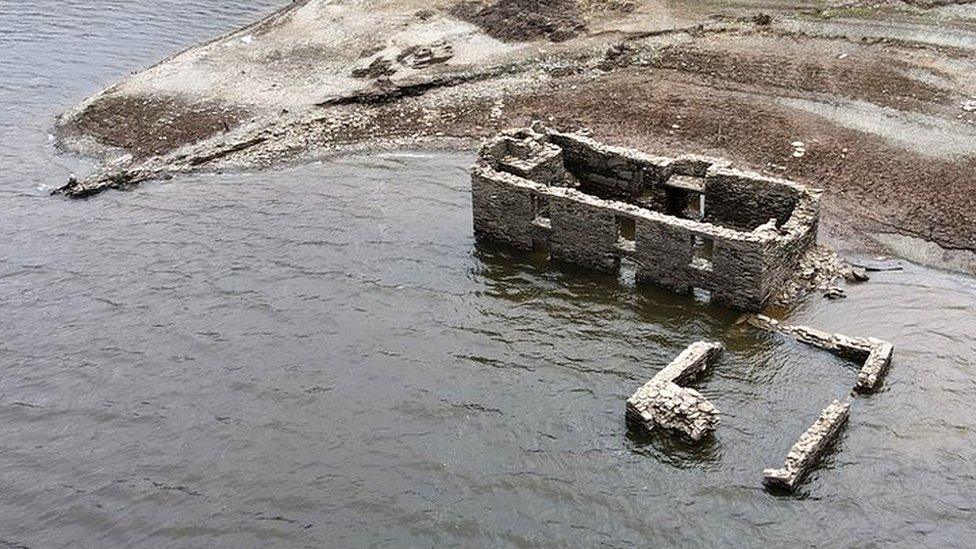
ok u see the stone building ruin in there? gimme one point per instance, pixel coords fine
(687, 222)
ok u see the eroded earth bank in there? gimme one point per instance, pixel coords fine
(875, 102)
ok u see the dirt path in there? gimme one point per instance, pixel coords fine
(879, 95)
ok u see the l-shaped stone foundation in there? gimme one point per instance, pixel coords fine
(687, 222)
(662, 402)
(873, 354)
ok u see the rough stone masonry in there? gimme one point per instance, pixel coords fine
(873, 354)
(687, 222)
(812, 443)
(661, 402)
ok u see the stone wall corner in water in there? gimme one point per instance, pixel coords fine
(661, 402)
(872, 353)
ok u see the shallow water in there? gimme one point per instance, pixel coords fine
(324, 356)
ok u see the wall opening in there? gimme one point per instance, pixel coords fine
(540, 250)
(703, 249)
(650, 199)
(626, 230)
(685, 204)
(628, 272)
(540, 210)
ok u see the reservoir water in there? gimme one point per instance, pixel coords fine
(323, 356)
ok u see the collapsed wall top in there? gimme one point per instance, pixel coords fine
(688, 222)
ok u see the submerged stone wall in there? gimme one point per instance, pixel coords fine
(873, 354)
(811, 445)
(663, 403)
(581, 198)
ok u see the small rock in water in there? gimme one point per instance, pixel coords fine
(857, 274)
(835, 292)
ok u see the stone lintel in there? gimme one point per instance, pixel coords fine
(686, 183)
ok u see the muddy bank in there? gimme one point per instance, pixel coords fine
(875, 97)
(148, 126)
(523, 20)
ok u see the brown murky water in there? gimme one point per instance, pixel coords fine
(324, 356)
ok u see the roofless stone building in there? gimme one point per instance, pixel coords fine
(687, 222)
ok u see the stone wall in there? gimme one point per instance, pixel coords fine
(502, 207)
(691, 363)
(662, 403)
(811, 445)
(610, 172)
(584, 232)
(873, 354)
(602, 187)
(745, 201)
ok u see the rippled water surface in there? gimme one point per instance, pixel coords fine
(322, 356)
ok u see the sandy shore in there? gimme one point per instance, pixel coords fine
(872, 101)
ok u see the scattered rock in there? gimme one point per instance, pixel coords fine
(856, 274)
(819, 270)
(617, 55)
(622, 6)
(379, 67)
(799, 149)
(835, 292)
(762, 19)
(418, 57)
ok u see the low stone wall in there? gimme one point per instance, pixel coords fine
(811, 445)
(691, 363)
(522, 197)
(873, 354)
(745, 201)
(502, 207)
(662, 403)
(875, 366)
(610, 172)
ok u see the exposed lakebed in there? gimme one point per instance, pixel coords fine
(323, 355)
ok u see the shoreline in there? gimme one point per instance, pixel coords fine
(719, 81)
